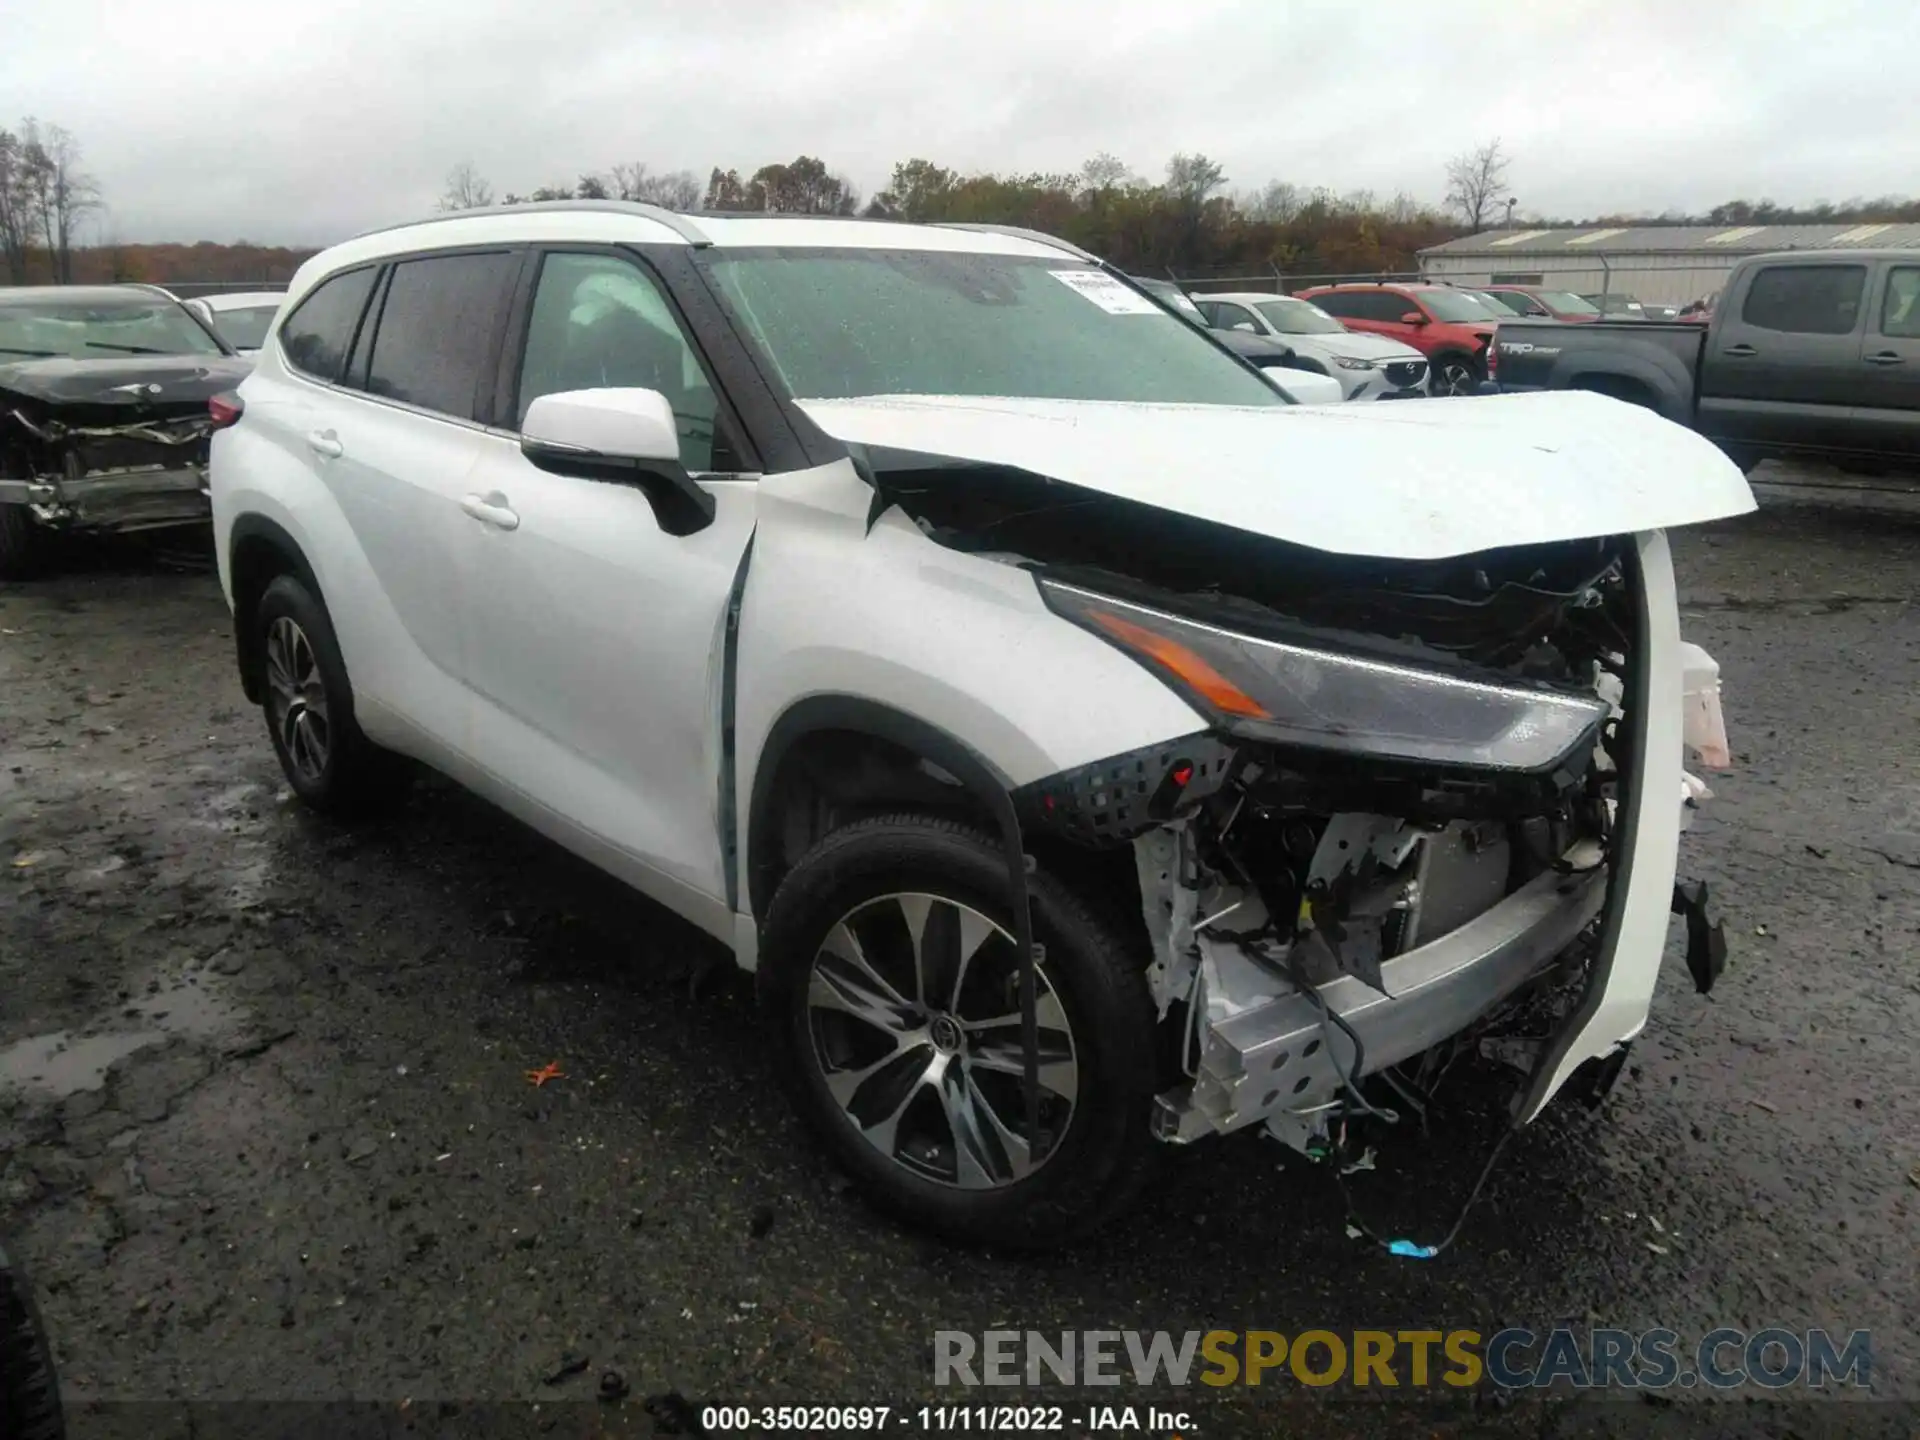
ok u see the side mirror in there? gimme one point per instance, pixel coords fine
(1246, 325)
(1413, 317)
(619, 437)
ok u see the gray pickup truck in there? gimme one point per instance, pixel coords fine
(1812, 354)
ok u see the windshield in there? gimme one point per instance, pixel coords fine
(1174, 296)
(1565, 302)
(82, 330)
(1453, 307)
(1299, 317)
(841, 323)
(245, 327)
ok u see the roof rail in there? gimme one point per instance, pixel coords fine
(1019, 232)
(672, 219)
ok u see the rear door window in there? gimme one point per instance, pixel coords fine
(1806, 299)
(317, 336)
(434, 344)
(1340, 302)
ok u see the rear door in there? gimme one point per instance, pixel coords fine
(1889, 408)
(401, 440)
(1782, 369)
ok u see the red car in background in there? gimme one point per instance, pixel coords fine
(1453, 330)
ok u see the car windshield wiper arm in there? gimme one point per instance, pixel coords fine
(41, 354)
(129, 349)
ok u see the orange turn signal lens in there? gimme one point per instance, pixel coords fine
(1187, 665)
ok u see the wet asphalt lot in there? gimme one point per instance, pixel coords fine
(266, 1130)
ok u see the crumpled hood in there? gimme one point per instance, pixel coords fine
(1409, 481)
(159, 382)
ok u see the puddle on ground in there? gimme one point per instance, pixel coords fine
(64, 1062)
(62, 1065)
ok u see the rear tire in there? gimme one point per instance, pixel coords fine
(952, 1157)
(29, 1389)
(24, 543)
(308, 704)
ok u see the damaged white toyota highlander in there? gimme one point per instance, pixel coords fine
(1088, 748)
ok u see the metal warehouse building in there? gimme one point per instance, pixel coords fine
(1670, 264)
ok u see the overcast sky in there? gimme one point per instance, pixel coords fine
(302, 121)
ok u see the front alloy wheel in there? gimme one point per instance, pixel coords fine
(1455, 376)
(914, 1012)
(889, 977)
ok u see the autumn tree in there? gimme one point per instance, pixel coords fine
(1477, 184)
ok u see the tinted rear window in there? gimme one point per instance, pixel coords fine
(435, 337)
(317, 334)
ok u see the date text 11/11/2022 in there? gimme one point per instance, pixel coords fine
(939, 1419)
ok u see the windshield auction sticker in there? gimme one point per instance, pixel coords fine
(1106, 292)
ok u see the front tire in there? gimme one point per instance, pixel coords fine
(1456, 375)
(328, 762)
(888, 982)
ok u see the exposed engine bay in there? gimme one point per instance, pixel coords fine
(1328, 907)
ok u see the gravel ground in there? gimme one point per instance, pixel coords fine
(266, 1129)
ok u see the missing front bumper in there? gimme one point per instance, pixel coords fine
(134, 498)
(1280, 1063)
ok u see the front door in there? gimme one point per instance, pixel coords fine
(598, 638)
(1782, 368)
(1889, 410)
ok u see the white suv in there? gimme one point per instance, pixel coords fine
(1087, 747)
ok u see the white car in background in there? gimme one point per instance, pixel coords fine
(1086, 747)
(243, 318)
(1368, 367)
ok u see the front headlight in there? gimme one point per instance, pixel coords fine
(1352, 362)
(1295, 695)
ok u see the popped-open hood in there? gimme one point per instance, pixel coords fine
(1409, 481)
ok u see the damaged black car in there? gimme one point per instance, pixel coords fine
(104, 419)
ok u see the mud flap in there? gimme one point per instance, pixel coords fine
(1706, 937)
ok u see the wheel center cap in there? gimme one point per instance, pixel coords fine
(945, 1033)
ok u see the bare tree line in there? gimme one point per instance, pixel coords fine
(44, 197)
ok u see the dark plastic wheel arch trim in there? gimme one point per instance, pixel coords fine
(259, 527)
(869, 717)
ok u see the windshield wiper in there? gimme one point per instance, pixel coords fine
(129, 349)
(37, 354)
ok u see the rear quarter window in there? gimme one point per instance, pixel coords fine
(320, 331)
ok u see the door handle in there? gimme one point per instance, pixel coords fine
(491, 509)
(1885, 357)
(1743, 351)
(325, 442)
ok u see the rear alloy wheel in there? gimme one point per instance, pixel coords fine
(889, 978)
(309, 707)
(1455, 375)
